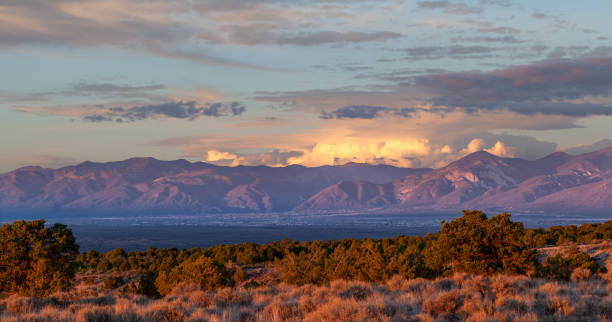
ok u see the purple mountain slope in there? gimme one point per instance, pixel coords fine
(558, 182)
(150, 185)
(351, 195)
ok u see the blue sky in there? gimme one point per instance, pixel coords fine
(407, 83)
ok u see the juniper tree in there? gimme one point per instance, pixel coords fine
(36, 260)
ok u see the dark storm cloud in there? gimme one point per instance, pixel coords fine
(372, 112)
(355, 111)
(178, 110)
(572, 88)
(97, 118)
(559, 87)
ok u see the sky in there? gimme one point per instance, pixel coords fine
(279, 82)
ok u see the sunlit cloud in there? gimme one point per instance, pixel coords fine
(421, 142)
(276, 82)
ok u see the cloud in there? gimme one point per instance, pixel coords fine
(215, 155)
(421, 141)
(525, 147)
(501, 39)
(174, 29)
(199, 57)
(82, 89)
(371, 112)
(501, 3)
(400, 75)
(314, 148)
(355, 111)
(449, 7)
(179, 110)
(499, 148)
(324, 37)
(49, 161)
(499, 30)
(94, 118)
(417, 104)
(142, 26)
(117, 102)
(542, 15)
(580, 149)
(453, 51)
(475, 145)
(559, 87)
(572, 88)
(270, 158)
(259, 34)
(398, 152)
(110, 90)
(367, 112)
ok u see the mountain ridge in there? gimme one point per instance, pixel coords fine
(557, 182)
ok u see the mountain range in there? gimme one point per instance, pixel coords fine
(556, 183)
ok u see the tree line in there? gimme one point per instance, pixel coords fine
(472, 243)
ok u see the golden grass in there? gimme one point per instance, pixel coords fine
(463, 297)
(460, 298)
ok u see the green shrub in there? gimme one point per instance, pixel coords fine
(36, 260)
(560, 268)
(239, 275)
(203, 271)
(112, 282)
(480, 245)
(146, 284)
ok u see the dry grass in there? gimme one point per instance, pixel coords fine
(460, 298)
(601, 252)
(463, 297)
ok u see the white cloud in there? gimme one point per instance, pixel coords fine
(215, 155)
(499, 148)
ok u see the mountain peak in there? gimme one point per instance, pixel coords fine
(481, 154)
(29, 169)
(354, 164)
(558, 154)
(141, 160)
(479, 157)
(478, 180)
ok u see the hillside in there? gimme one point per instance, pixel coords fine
(556, 183)
(147, 184)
